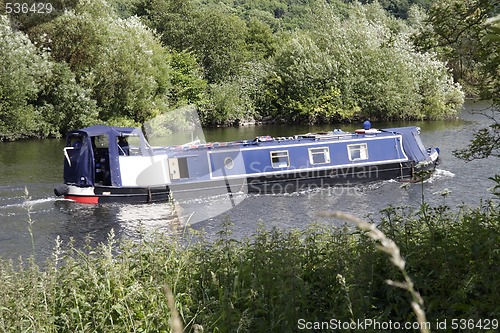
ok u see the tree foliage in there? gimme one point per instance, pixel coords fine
(127, 61)
(64, 104)
(119, 60)
(469, 40)
(398, 8)
(24, 65)
(486, 142)
(362, 66)
(458, 38)
(220, 44)
(174, 20)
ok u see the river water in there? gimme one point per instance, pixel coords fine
(31, 217)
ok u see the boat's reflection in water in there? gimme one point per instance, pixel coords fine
(174, 217)
(137, 221)
(85, 224)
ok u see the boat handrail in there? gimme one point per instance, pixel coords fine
(318, 136)
(332, 135)
(192, 143)
(66, 155)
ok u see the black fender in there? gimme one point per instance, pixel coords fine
(61, 190)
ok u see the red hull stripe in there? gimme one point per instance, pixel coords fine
(82, 199)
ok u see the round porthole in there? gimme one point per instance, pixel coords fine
(228, 163)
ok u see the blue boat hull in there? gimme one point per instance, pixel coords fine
(297, 182)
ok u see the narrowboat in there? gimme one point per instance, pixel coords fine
(109, 164)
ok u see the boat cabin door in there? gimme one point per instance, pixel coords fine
(178, 167)
(78, 162)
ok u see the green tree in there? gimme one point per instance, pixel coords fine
(468, 38)
(32, 13)
(215, 35)
(486, 142)
(228, 104)
(260, 40)
(399, 8)
(174, 20)
(303, 85)
(457, 37)
(46, 98)
(64, 104)
(219, 42)
(490, 60)
(119, 60)
(188, 85)
(364, 65)
(23, 69)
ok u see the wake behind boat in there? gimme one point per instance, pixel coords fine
(110, 164)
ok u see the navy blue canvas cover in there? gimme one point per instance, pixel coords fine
(412, 144)
(79, 161)
(79, 165)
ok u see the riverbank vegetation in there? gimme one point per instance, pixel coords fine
(275, 281)
(124, 62)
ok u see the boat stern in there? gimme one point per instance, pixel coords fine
(77, 193)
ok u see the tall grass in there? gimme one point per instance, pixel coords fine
(387, 245)
(265, 283)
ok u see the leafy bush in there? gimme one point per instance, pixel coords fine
(22, 72)
(64, 104)
(119, 61)
(364, 65)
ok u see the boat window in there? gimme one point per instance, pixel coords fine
(75, 141)
(183, 167)
(280, 159)
(229, 163)
(101, 141)
(101, 158)
(133, 146)
(358, 152)
(178, 167)
(319, 155)
(123, 147)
